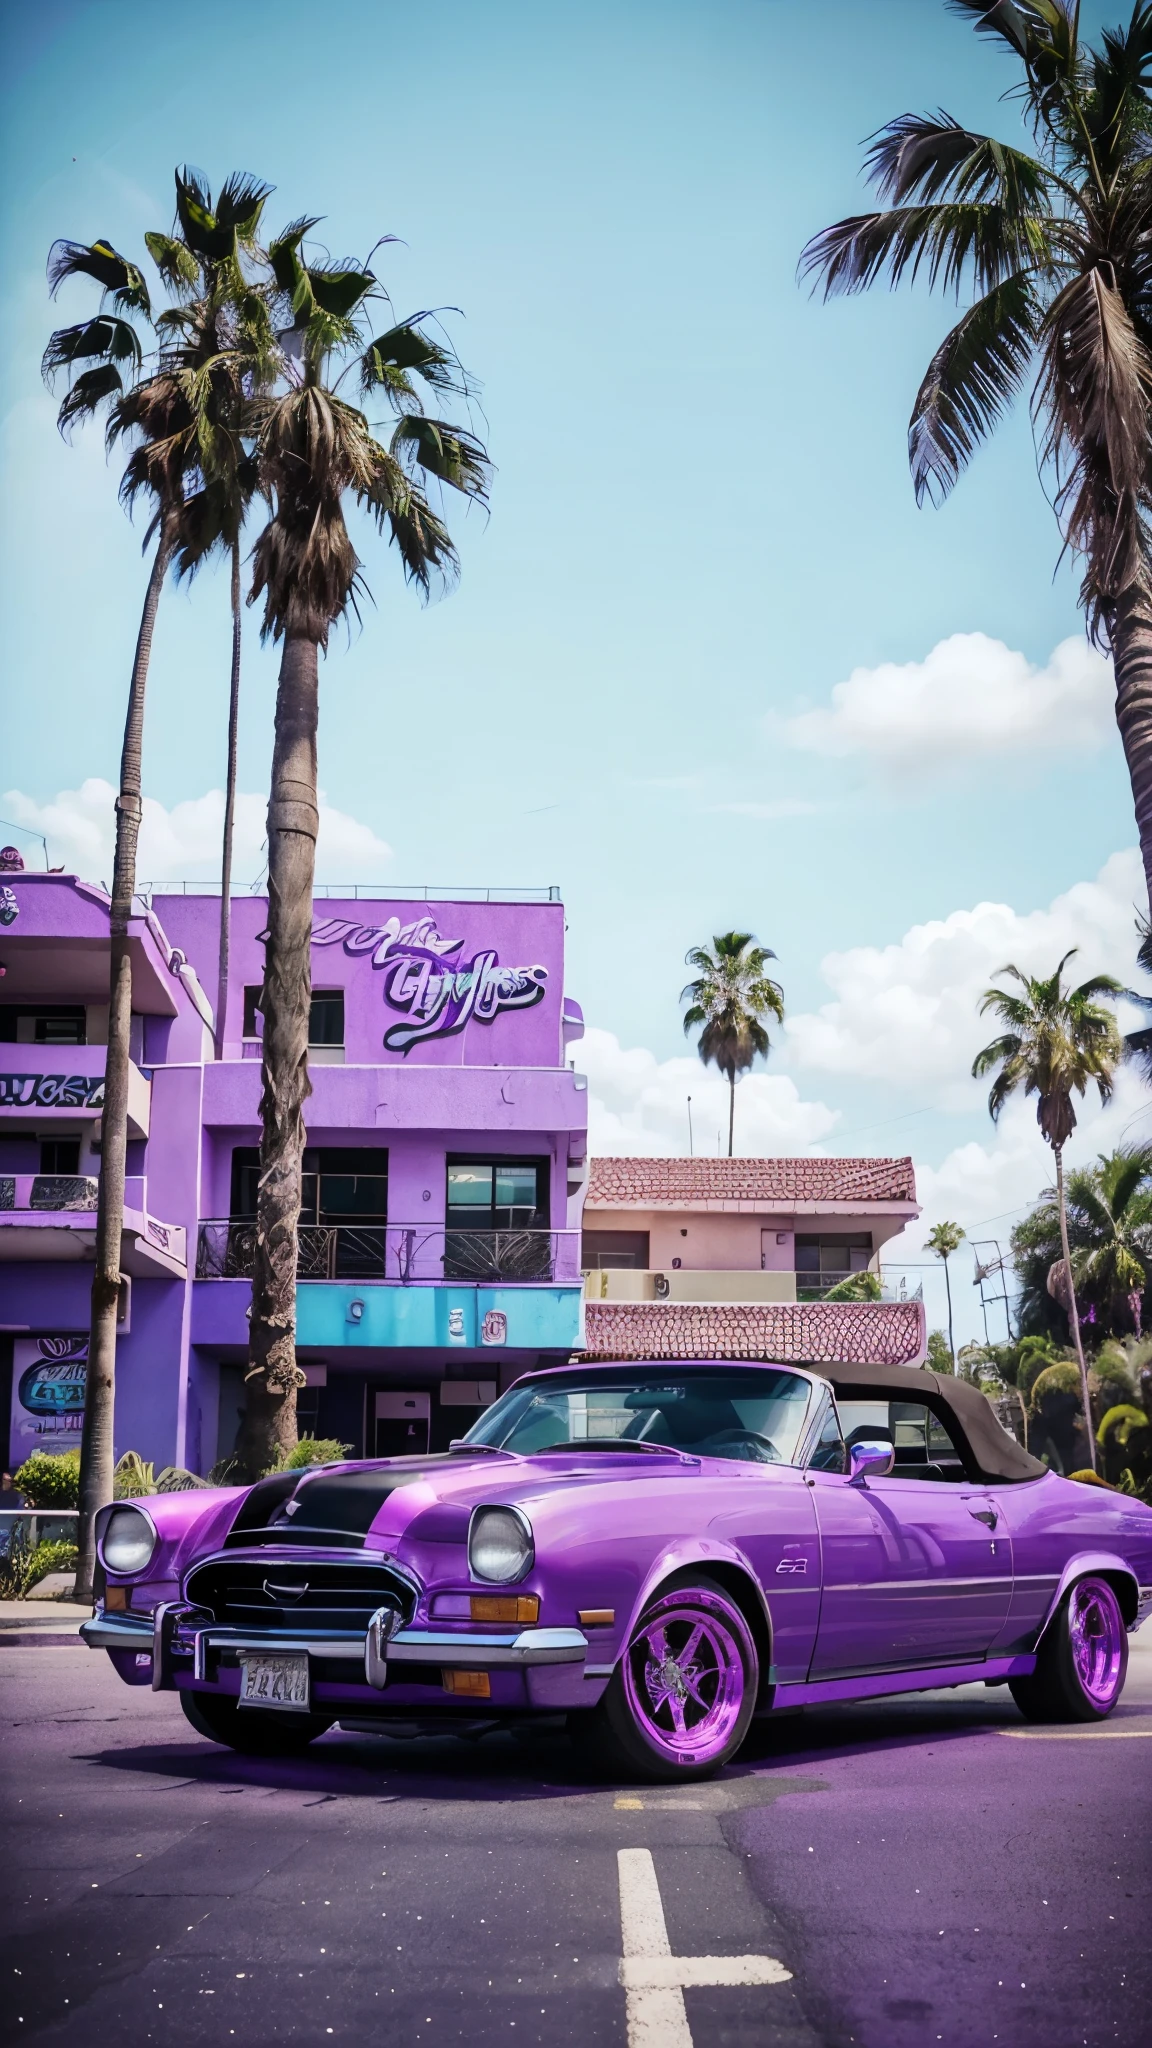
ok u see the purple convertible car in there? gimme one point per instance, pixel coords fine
(655, 1551)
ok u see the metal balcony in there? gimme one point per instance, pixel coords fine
(402, 1253)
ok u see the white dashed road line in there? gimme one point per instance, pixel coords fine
(653, 1978)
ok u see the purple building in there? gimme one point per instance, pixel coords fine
(443, 1179)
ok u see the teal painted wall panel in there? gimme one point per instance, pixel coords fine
(438, 1318)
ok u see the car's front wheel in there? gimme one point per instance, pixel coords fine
(679, 1702)
(1082, 1660)
(256, 1731)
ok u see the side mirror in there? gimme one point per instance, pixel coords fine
(875, 1457)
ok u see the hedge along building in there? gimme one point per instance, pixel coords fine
(443, 1177)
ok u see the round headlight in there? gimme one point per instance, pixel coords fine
(500, 1546)
(128, 1541)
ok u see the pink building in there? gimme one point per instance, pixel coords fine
(735, 1258)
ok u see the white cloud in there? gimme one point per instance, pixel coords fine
(639, 1104)
(907, 1013)
(970, 698)
(184, 843)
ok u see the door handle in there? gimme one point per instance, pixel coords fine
(986, 1515)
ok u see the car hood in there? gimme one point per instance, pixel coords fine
(431, 1499)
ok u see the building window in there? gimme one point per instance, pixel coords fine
(822, 1262)
(614, 1251)
(60, 1155)
(43, 1024)
(497, 1220)
(339, 1185)
(498, 1194)
(325, 1017)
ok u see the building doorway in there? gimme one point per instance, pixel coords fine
(401, 1425)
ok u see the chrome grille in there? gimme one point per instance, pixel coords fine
(295, 1593)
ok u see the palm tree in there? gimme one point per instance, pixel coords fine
(728, 1001)
(316, 452)
(1059, 1040)
(1054, 252)
(159, 414)
(1111, 1208)
(944, 1239)
(227, 335)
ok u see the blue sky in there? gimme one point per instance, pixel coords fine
(701, 519)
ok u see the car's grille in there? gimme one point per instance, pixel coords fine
(296, 1594)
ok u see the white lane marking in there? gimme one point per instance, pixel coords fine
(652, 1977)
(1074, 1734)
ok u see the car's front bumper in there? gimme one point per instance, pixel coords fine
(183, 1646)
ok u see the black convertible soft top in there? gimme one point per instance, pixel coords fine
(993, 1453)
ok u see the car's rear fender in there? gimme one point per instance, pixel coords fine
(731, 1569)
(1099, 1564)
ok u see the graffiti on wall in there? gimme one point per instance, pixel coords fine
(51, 1091)
(9, 908)
(48, 1381)
(424, 976)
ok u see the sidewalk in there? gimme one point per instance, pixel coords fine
(40, 1622)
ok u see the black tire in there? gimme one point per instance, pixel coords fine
(1082, 1660)
(665, 1724)
(254, 1731)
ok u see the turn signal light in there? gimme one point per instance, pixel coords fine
(116, 1600)
(473, 1685)
(505, 1606)
(596, 1617)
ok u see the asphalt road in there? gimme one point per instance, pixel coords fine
(924, 1871)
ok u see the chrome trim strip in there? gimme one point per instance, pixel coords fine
(407, 1646)
(117, 1632)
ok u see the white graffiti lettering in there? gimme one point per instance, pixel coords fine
(423, 977)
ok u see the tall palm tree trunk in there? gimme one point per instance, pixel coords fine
(273, 1375)
(731, 1110)
(1073, 1311)
(1130, 634)
(229, 812)
(97, 1453)
(948, 1291)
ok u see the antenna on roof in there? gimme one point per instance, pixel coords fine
(690, 1153)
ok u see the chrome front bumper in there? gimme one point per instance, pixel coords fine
(173, 1633)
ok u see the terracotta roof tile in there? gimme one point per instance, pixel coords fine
(797, 1333)
(660, 1183)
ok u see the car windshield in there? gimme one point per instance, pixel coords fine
(754, 1413)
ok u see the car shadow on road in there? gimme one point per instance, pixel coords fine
(501, 1767)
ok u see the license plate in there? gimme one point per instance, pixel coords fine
(275, 1682)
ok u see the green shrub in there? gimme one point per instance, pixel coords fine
(857, 1287)
(50, 1480)
(311, 1450)
(1120, 1422)
(132, 1477)
(1063, 1378)
(24, 1564)
(178, 1479)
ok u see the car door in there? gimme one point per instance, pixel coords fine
(917, 1566)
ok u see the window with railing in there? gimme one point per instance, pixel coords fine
(497, 1220)
(343, 1215)
(828, 1260)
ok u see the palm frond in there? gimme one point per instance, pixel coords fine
(452, 454)
(1093, 397)
(87, 394)
(929, 157)
(389, 362)
(946, 240)
(101, 261)
(175, 262)
(971, 381)
(106, 336)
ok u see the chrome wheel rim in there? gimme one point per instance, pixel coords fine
(685, 1680)
(1096, 1633)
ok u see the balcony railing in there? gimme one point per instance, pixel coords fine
(47, 1191)
(400, 1252)
(756, 1284)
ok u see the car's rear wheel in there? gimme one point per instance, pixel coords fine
(1082, 1660)
(679, 1702)
(256, 1731)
